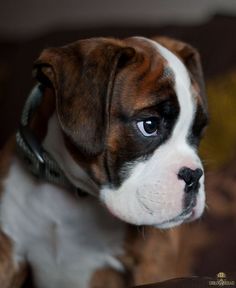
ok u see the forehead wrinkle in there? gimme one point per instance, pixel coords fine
(158, 70)
(155, 63)
(167, 55)
(142, 44)
(150, 96)
(136, 92)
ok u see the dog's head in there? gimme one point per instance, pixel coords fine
(132, 113)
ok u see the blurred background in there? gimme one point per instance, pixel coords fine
(26, 27)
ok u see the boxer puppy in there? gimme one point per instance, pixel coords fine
(122, 119)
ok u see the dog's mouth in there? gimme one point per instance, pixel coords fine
(185, 216)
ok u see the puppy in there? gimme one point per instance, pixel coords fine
(119, 121)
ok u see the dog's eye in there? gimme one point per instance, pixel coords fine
(149, 126)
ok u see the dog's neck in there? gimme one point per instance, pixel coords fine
(54, 144)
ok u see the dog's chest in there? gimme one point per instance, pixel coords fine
(64, 240)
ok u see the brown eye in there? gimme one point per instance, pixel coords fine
(148, 127)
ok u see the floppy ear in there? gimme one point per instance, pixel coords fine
(190, 58)
(82, 75)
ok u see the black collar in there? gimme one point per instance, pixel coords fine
(37, 159)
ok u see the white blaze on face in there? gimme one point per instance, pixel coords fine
(153, 194)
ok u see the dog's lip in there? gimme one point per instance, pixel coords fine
(176, 220)
(185, 215)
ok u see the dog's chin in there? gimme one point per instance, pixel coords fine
(145, 209)
(169, 224)
(189, 214)
(175, 221)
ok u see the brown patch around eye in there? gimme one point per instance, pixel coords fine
(144, 89)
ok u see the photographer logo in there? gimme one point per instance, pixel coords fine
(221, 281)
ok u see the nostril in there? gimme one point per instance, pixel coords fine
(190, 177)
(198, 174)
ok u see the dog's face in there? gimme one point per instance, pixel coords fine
(132, 113)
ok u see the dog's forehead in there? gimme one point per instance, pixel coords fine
(153, 58)
(153, 78)
(159, 56)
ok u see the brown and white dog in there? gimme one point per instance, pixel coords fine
(123, 120)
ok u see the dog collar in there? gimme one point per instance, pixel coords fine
(37, 159)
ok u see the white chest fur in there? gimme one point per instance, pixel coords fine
(64, 240)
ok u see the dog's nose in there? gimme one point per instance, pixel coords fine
(191, 178)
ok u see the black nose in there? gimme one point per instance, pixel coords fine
(191, 178)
